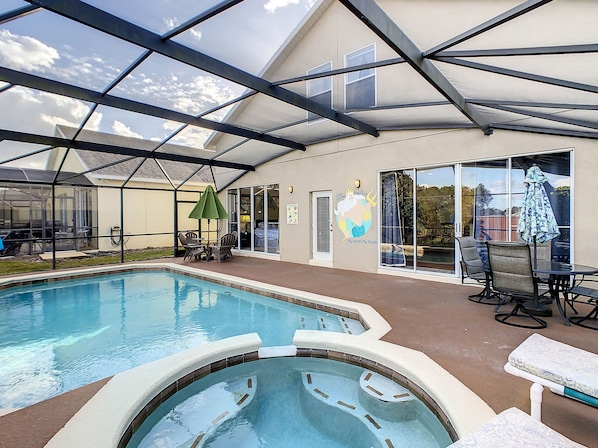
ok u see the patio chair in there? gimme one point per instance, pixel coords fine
(191, 250)
(223, 250)
(512, 277)
(192, 236)
(472, 266)
(584, 291)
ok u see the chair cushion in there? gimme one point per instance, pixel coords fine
(560, 363)
(514, 427)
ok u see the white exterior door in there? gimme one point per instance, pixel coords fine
(322, 226)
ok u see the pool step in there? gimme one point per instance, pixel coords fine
(332, 323)
(385, 397)
(193, 422)
(325, 395)
(351, 326)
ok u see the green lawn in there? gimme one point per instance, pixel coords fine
(12, 266)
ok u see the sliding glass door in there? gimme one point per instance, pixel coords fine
(435, 223)
(418, 219)
(421, 211)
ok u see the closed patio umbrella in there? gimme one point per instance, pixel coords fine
(537, 223)
(208, 207)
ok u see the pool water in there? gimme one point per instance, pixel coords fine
(291, 403)
(55, 337)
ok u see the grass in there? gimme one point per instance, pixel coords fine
(13, 266)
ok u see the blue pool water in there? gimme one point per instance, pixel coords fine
(55, 337)
(291, 403)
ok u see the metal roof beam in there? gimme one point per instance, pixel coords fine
(59, 88)
(530, 51)
(574, 106)
(521, 75)
(524, 8)
(537, 130)
(120, 28)
(113, 149)
(208, 14)
(543, 116)
(17, 13)
(340, 71)
(378, 21)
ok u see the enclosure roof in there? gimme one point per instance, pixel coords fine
(171, 90)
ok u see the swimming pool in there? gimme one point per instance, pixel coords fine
(295, 403)
(60, 335)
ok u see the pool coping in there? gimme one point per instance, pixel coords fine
(127, 397)
(374, 324)
(111, 416)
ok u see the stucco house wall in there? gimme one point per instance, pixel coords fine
(333, 166)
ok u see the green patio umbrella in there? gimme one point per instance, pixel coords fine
(208, 207)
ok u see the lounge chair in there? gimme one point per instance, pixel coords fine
(512, 277)
(566, 370)
(472, 266)
(223, 250)
(513, 427)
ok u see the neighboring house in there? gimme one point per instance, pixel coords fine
(146, 190)
(419, 186)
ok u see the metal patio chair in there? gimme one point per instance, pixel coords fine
(512, 276)
(585, 291)
(472, 266)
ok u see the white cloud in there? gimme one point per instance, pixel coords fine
(121, 129)
(170, 22)
(192, 137)
(272, 5)
(195, 33)
(201, 93)
(25, 53)
(39, 112)
(27, 110)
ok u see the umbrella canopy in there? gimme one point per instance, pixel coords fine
(537, 223)
(208, 206)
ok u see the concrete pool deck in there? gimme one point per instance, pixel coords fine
(433, 317)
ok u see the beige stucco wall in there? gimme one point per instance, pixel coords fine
(333, 166)
(144, 211)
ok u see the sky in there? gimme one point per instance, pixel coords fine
(50, 46)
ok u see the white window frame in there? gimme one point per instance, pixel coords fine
(326, 67)
(348, 81)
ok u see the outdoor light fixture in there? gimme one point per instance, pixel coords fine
(357, 183)
(290, 189)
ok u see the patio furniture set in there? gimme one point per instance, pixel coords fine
(197, 248)
(511, 273)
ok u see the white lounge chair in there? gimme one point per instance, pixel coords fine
(564, 369)
(514, 427)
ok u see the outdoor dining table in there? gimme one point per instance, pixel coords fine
(203, 247)
(559, 275)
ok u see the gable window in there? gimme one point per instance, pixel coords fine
(319, 89)
(360, 86)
